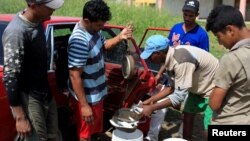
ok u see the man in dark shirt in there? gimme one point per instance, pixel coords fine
(25, 72)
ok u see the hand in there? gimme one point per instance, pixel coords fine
(158, 78)
(126, 32)
(147, 110)
(159, 87)
(87, 114)
(23, 126)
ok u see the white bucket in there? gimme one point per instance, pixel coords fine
(174, 139)
(119, 135)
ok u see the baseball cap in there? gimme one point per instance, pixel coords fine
(153, 44)
(191, 5)
(53, 4)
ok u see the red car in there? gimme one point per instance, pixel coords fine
(128, 77)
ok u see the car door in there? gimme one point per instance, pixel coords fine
(57, 36)
(127, 75)
(7, 122)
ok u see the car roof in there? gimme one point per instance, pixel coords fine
(6, 17)
(54, 19)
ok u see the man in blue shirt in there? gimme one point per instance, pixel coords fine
(189, 32)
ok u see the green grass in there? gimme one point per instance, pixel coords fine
(141, 17)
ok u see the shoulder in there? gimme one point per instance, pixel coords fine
(241, 54)
(229, 60)
(177, 28)
(78, 35)
(14, 33)
(201, 29)
(15, 26)
(178, 25)
(228, 55)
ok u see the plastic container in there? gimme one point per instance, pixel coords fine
(119, 135)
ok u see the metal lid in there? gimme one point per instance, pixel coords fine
(126, 120)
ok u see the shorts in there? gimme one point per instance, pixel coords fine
(196, 104)
(86, 130)
(43, 116)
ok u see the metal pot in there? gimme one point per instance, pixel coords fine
(125, 119)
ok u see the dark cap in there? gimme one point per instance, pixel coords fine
(191, 5)
(54, 4)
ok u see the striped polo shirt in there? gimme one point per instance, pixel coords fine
(86, 50)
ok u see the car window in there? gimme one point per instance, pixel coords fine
(116, 54)
(57, 42)
(3, 25)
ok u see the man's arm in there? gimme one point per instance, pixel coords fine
(148, 109)
(124, 35)
(158, 76)
(216, 98)
(178, 96)
(223, 79)
(23, 126)
(13, 45)
(78, 87)
(173, 100)
(165, 92)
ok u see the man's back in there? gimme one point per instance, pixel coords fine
(194, 68)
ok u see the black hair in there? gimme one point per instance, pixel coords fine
(96, 10)
(224, 15)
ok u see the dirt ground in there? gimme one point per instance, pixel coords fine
(172, 123)
(169, 128)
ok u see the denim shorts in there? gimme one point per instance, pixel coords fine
(43, 116)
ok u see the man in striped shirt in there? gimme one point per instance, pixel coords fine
(86, 64)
